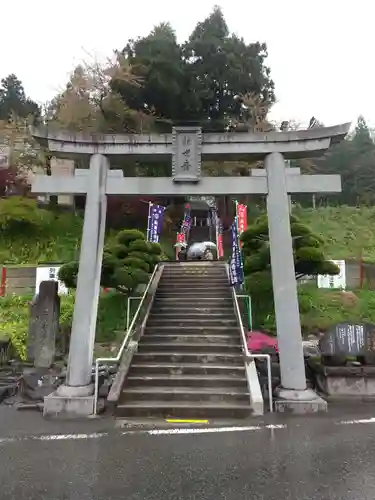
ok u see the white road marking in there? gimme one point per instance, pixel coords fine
(7, 440)
(53, 437)
(204, 430)
(360, 421)
(150, 432)
(67, 437)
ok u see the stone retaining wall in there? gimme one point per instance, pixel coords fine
(19, 280)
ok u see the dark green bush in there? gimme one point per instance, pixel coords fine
(126, 263)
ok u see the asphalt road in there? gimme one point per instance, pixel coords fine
(305, 459)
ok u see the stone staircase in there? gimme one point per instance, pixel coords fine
(189, 362)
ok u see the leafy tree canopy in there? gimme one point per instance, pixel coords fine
(308, 260)
(203, 80)
(89, 104)
(126, 264)
(308, 255)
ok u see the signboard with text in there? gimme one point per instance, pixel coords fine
(49, 274)
(337, 281)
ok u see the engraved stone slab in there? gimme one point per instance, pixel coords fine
(44, 325)
(186, 154)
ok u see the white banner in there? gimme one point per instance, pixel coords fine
(49, 274)
(337, 281)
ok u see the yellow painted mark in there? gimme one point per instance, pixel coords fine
(184, 421)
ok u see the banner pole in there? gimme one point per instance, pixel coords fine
(217, 236)
(148, 220)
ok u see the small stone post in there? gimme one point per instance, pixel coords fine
(44, 325)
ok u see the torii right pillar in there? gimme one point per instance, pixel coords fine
(293, 395)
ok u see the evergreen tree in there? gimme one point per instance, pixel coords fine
(13, 100)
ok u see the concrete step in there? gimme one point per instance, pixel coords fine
(187, 380)
(196, 267)
(191, 320)
(192, 284)
(177, 309)
(192, 339)
(198, 313)
(167, 369)
(169, 300)
(191, 330)
(189, 357)
(199, 285)
(183, 409)
(212, 336)
(203, 290)
(207, 394)
(147, 345)
(193, 293)
(194, 275)
(175, 280)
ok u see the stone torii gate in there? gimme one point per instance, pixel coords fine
(187, 146)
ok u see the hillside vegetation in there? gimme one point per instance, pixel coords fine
(348, 232)
(320, 309)
(30, 235)
(39, 236)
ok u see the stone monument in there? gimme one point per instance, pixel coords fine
(44, 325)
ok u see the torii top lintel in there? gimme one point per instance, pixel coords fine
(213, 146)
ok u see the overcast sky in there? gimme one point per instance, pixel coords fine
(321, 52)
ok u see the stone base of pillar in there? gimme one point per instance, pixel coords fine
(70, 402)
(299, 402)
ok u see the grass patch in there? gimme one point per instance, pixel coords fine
(322, 308)
(14, 318)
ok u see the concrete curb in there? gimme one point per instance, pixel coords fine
(256, 396)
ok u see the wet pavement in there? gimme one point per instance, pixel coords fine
(328, 457)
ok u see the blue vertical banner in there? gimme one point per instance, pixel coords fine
(186, 223)
(236, 275)
(155, 222)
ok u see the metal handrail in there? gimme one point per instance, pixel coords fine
(249, 356)
(124, 342)
(250, 313)
(133, 297)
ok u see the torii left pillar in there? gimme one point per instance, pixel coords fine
(76, 396)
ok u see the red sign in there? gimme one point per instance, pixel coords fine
(241, 218)
(220, 248)
(180, 239)
(3, 281)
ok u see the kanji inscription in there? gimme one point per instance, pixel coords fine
(186, 159)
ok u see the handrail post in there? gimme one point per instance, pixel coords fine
(267, 357)
(248, 355)
(133, 297)
(248, 304)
